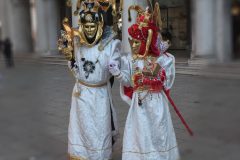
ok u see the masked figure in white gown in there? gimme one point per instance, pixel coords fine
(93, 123)
(144, 76)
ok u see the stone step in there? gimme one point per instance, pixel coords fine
(230, 70)
(53, 60)
(54, 63)
(181, 68)
(53, 57)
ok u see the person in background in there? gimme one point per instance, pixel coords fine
(0, 45)
(7, 52)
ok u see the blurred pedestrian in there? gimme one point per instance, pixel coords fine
(0, 52)
(7, 52)
(1, 45)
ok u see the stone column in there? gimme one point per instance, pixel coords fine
(223, 30)
(126, 24)
(54, 25)
(48, 26)
(74, 18)
(203, 29)
(3, 19)
(0, 30)
(16, 25)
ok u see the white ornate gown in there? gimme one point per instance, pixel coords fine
(149, 132)
(93, 121)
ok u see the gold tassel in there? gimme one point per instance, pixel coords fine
(77, 92)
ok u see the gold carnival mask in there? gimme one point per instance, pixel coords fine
(135, 45)
(90, 30)
(144, 32)
(90, 23)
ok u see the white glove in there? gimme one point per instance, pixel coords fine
(113, 68)
(164, 45)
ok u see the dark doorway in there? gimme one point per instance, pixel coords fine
(176, 17)
(65, 11)
(236, 29)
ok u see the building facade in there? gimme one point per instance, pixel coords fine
(32, 25)
(199, 29)
(16, 24)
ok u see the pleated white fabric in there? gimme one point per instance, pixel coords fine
(90, 129)
(149, 132)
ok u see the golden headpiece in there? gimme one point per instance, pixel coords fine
(145, 30)
(144, 17)
(91, 23)
(104, 4)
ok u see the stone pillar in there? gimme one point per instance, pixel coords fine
(126, 24)
(54, 25)
(74, 18)
(3, 19)
(16, 25)
(48, 26)
(203, 29)
(0, 30)
(211, 31)
(223, 30)
(193, 29)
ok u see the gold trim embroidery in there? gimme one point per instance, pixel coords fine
(92, 85)
(91, 148)
(135, 152)
(71, 157)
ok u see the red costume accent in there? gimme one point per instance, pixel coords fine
(142, 35)
(128, 91)
(140, 32)
(150, 83)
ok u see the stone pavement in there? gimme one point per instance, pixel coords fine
(35, 104)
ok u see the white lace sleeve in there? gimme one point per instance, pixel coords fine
(125, 75)
(167, 62)
(115, 51)
(162, 45)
